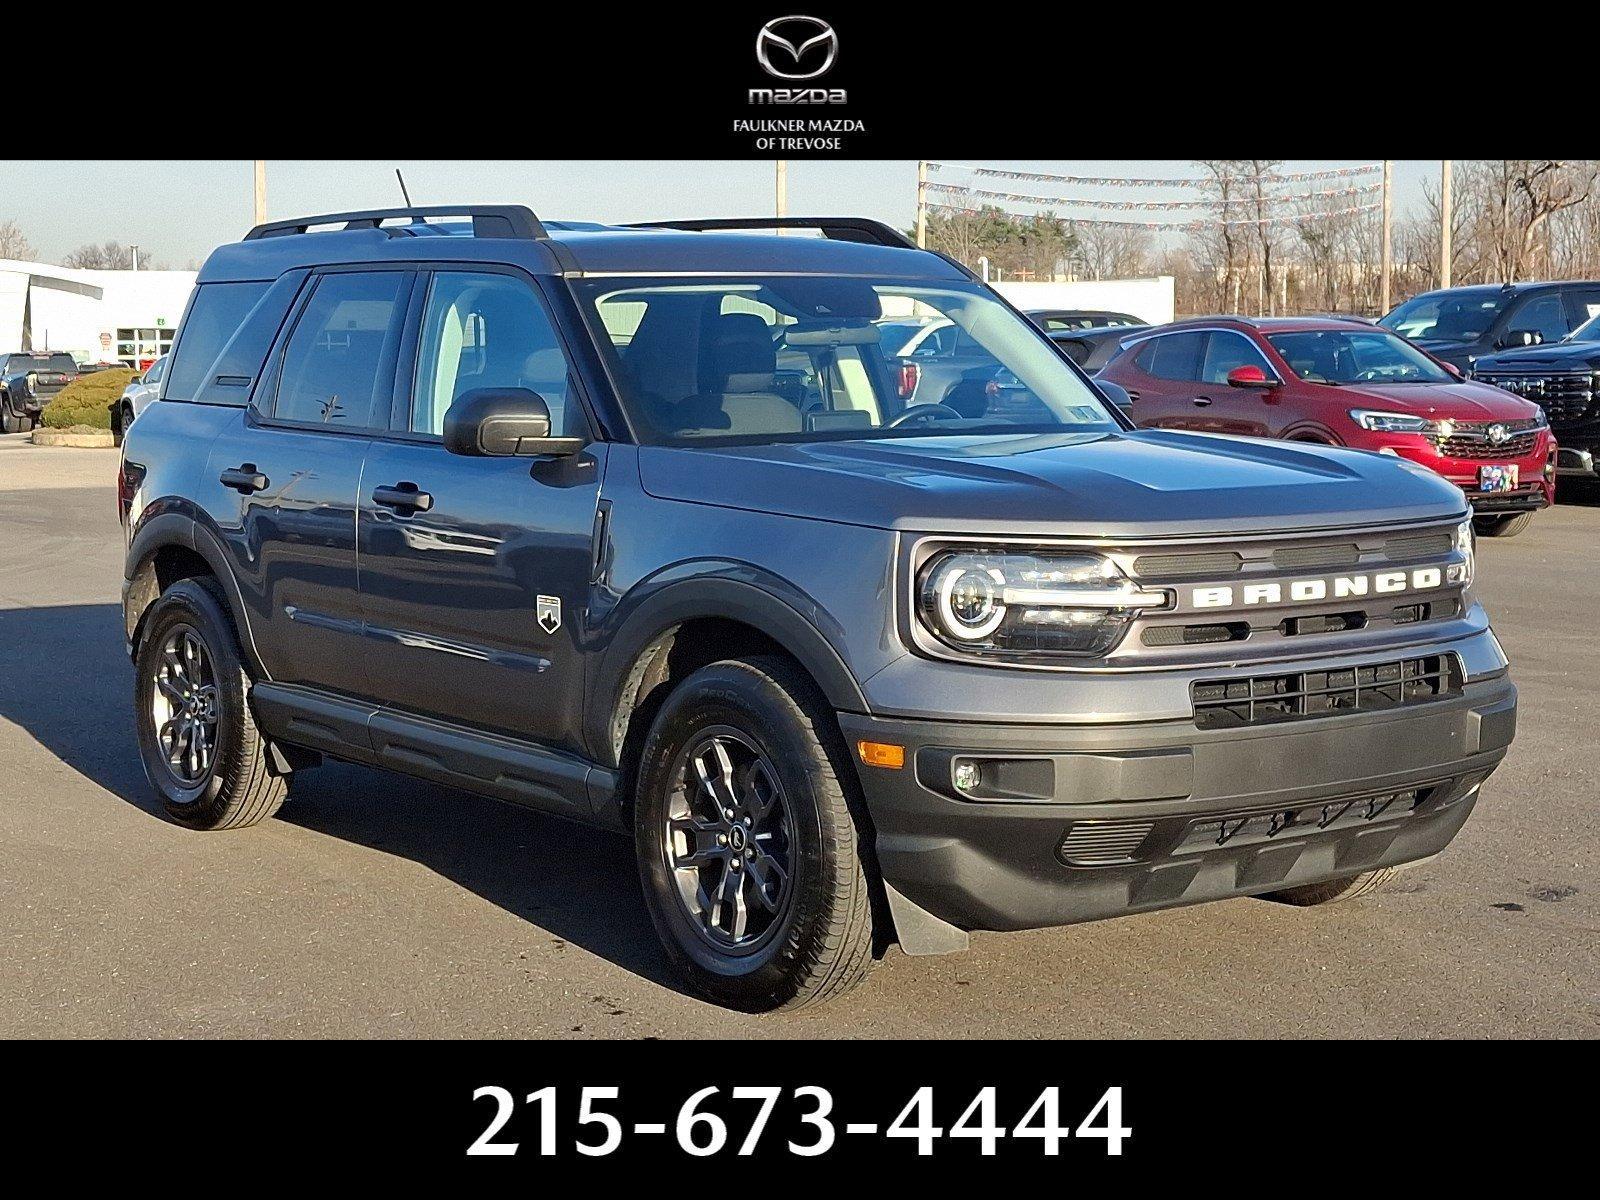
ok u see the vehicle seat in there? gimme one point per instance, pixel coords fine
(740, 364)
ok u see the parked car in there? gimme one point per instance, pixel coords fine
(1345, 383)
(846, 669)
(1563, 379)
(1092, 349)
(29, 379)
(1459, 325)
(136, 397)
(1053, 320)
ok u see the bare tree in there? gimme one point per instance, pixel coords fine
(13, 243)
(108, 256)
(1108, 251)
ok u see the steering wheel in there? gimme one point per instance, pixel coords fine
(923, 412)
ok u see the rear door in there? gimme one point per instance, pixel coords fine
(289, 474)
(1164, 377)
(475, 571)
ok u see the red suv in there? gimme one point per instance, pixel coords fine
(1344, 383)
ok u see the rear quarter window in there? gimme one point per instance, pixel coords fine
(215, 315)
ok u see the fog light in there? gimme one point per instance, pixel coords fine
(967, 775)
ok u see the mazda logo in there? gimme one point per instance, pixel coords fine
(796, 42)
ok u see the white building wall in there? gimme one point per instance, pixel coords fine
(1151, 300)
(82, 312)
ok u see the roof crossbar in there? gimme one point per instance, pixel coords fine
(488, 220)
(840, 229)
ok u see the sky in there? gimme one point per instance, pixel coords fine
(176, 212)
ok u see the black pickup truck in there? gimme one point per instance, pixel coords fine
(28, 381)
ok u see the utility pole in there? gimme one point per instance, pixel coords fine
(135, 250)
(783, 188)
(922, 205)
(1388, 237)
(1445, 252)
(261, 191)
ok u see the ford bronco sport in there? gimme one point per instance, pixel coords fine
(631, 525)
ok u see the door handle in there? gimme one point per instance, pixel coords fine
(1202, 401)
(403, 497)
(245, 479)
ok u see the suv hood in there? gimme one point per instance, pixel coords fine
(1135, 484)
(1566, 355)
(1459, 401)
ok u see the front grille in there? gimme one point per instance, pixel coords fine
(1179, 566)
(1420, 545)
(1565, 396)
(1297, 695)
(1306, 558)
(1477, 445)
(1103, 843)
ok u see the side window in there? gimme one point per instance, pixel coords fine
(154, 374)
(1226, 352)
(216, 311)
(1542, 313)
(488, 330)
(338, 368)
(1583, 304)
(1175, 356)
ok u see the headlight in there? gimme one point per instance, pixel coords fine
(1467, 546)
(1021, 605)
(1387, 422)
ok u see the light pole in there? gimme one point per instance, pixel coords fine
(261, 191)
(1445, 251)
(922, 205)
(1388, 242)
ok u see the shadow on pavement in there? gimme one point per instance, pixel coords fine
(66, 680)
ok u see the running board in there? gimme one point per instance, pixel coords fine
(486, 763)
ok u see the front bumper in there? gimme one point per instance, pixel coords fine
(1535, 472)
(1132, 817)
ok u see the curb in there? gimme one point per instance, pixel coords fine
(98, 440)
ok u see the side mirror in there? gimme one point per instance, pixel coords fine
(1520, 337)
(1251, 377)
(1114, 392)
(1453, 369)
(503, 423)
(137, 379)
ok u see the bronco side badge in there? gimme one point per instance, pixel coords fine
(549, 614)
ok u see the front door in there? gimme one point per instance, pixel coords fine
(1241, 411)
(475, 571)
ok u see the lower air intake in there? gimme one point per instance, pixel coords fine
(1103, 844)
(1265, 699)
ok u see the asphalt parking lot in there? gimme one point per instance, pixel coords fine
(376, 906)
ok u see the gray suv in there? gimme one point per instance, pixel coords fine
(634, 525)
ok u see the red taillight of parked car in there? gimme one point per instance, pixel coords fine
(910, 373)
(129, 477)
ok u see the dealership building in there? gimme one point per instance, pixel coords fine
(126, 317)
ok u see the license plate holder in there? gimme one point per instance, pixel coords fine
(1494, 477)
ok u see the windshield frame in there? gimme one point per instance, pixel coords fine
(584, 290)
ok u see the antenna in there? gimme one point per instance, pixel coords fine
(405, 194)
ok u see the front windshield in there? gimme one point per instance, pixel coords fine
(1589, 331)
(802, 358)
(1343, 356)
(1463, 316)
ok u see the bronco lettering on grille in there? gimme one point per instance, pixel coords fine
(1309, 591)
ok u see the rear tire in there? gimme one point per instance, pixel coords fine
(198, 739)
(791, 924)
(9, 421)
(1507, 526)
(1334, 890)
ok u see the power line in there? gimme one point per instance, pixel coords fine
(1188, 181)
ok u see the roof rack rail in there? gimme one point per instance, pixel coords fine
(839, 229)
(488, 220)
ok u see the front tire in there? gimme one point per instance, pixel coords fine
(198, 739)
(748, 853)
(1502, 526)
(9, 421)
(1334, 890)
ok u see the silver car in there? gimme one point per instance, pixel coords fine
(136, 397)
